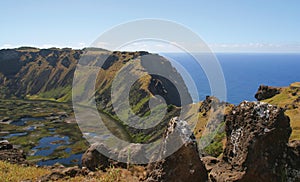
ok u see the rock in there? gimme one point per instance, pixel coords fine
(71, 171)
(54, 176)
(210, 103)
(292, 171)
(93, 159)
(183, 165)
(256, 148)
(4, 145)
(224, 172)
(210, 162)
(60, 173)
(10, 154)
(266, 92)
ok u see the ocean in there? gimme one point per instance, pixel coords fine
(244, 72)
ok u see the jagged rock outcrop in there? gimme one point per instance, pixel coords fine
(182, 165)
(266, 92)
(10, 154)
(256, 148)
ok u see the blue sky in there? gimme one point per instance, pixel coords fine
(225, 25)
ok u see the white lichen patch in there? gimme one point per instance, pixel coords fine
(235, 137)
(262, 109)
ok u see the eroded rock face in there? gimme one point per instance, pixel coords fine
(256, 148)
(183, 165)
(255, 131)
(292, 170)
(266, 92)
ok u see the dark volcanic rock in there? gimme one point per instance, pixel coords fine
(10, 154)
(256, 149)
(5, 145)
(292, 170)
(266, 92)
(250, 129)
(183, 165)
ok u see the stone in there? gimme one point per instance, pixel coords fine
(184, 164)
(266, 92)
(10, 154)
(4, 145)
(256, 149)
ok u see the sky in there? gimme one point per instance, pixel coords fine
(224, 25)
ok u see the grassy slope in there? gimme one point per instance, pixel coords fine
(15, 172)
(287, 99)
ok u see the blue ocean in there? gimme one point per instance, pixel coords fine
(244, 72)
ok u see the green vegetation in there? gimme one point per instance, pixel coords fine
(13, 110)
(61, 94)
(215, 148)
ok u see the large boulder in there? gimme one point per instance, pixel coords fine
(10, 154)
(184, 164)
(256, 148)
(266, 92)
(5, 145)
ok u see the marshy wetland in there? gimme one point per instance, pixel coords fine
(46, 131)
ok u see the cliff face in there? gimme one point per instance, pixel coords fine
(44, 72)
(48, 73)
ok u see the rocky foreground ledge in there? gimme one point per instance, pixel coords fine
(257, 149)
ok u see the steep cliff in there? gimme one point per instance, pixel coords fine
(44, 73)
